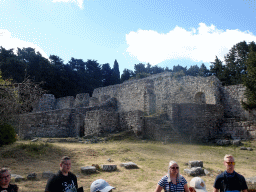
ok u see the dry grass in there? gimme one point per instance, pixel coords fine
(151, 157)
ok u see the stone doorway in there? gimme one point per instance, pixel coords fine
(200, 98)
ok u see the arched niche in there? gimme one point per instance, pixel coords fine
(200, 98)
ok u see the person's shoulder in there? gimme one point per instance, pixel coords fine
(239, 175)
(71, 174)
(221, 175)
(182, 179)
(13, 187)
(164, 178)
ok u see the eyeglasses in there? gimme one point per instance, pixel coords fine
(6, 177)
(174, 168)
(231, 163)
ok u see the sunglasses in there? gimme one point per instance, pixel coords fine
(231, 163)
(174, 168)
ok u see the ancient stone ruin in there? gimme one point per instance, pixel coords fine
(163, 107)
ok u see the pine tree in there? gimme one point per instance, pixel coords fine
(115, 77)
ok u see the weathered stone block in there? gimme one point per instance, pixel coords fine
(109, 168)
(47, 174)
(223, 142)
(129, 165)
(88, 169)
(32, 176)
(17, 178)
(195, 164)
(236, 142)
(194, 171)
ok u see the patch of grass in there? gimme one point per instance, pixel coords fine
(151, 157)
(25, 150)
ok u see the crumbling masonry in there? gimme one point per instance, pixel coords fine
(162, 107)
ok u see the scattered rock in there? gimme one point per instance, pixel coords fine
(109, 168)
(47, 174)
(222, 142)
(129, 165)
(249, 149)
(17, 178)
(31, 176)
(88, 169)
(243, 148)
(206, 172)
(251, 182)
(236, 142)
(194, 171)
(34, 140)
(195, 164)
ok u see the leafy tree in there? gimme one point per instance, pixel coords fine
(179, 68)
(203, 71)
(235, 62)
(7, 134)
(93, 75)
(106, 74)
(249, 80)
(13, 69)
(140, 68)
(157, 69)
(115, 76)
(193, 70)
(127, 74)
(217, 68)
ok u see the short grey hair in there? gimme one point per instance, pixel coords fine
(3, 170)
(227, 156)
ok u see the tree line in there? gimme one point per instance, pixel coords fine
(78, 76)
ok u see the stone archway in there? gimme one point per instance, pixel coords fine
(200, 98)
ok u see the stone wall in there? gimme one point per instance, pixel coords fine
(100, 121)
(59, 123)
(185, 122)
(151, 94)
(132, 120)
(231, 100)
(49, 102)
(190, 108)
(55, 123)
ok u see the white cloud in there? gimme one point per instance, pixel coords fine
(200, 45)
(9, 42)
(80, 3)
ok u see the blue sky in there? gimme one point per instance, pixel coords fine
(163, 32)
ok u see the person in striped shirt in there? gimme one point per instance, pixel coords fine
(173, 181)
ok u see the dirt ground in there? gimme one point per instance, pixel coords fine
(151, 157)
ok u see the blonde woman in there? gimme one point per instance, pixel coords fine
(173, 181)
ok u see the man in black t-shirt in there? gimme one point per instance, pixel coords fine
(229, 180)
(64, 180)
(5, 178)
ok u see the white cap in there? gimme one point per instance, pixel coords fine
(100, 185)
(198, 184)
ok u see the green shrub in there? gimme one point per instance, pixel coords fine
(7, 134)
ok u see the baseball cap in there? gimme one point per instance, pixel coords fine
(198, 184)
(100, 185)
